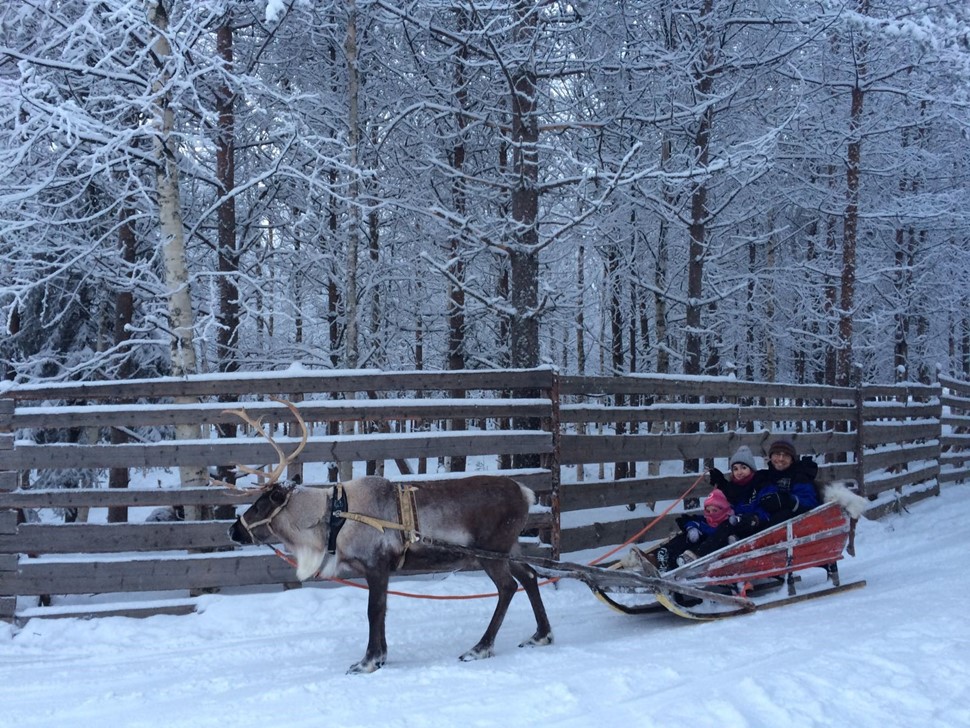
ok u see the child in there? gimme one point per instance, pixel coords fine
(694, 530)
(743, 482)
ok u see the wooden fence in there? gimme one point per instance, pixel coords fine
(604, 455)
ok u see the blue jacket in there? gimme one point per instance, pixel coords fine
(782, 494)
(699, 523)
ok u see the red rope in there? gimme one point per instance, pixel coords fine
(650, 525)
(449, 597)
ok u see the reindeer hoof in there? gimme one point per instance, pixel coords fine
(538, 640)
(477, 653)
(365, 666)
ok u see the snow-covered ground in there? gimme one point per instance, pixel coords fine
(896, 653)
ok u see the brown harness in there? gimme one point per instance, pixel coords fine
(406, 510)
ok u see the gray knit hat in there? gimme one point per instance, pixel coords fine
(744, 456)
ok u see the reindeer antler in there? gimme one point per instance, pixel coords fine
(268, 480)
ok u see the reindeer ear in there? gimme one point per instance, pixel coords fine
(312, 506)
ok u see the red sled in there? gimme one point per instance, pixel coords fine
(733, 579)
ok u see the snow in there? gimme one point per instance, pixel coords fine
(895, 653)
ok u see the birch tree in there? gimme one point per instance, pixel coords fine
(172, 233)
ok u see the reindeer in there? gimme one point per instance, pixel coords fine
(372, 527)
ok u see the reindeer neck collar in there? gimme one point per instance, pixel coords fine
(338, 506)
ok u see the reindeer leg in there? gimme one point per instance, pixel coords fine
(500, 573)
(376, 654)
(527, 578)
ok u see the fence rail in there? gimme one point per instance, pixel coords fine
(605, 456)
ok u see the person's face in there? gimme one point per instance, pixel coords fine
(781, 460)
(740, 471)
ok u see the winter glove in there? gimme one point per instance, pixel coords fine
(744, 522)
(777, 502)
(686, 520)
(717, 478)
(693, 535)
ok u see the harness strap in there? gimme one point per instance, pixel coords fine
(407, 512)
(338, 504)
(267, 521)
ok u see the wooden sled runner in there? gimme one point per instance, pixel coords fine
(729, 581)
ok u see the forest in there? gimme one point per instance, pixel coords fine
(776, 189)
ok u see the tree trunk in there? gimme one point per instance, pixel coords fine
(124, 315)
(228, 255)
(697, 248)
(351, 344)
(181, 321)
(456, 283)
(850, 229)
(524, 260)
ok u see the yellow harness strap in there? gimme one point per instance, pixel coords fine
(407, 511)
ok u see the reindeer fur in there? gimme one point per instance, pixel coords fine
(854, 505)
(481, 512)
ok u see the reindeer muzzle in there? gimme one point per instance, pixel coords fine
(243, 531)
(239, 533)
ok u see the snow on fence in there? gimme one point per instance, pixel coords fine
(604, 454)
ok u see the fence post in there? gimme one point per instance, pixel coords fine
(555, 465)
(860, 466)
(8, 518)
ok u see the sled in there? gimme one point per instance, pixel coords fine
(732, 580)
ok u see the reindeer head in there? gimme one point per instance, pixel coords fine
(255, 525)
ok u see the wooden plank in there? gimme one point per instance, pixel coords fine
(605, 493)
(9, 480)
(957, 421)
(684, 385)
(878, 433)
(539, 479)
(230, 451)
(131, 497)
(902, 391)
(954, 458)
(959, 475)
(8, 608)
(955, 402)
(9, 562)
(874, 486)
(952, 383)
(8, 523)
(66, 538)
(135, 611)
(837, 471)
(313, 411)
(7, 407)
(703, 413)
(896, 506)
(577, 449)
(285, 383)
(605, 535)
(899, 410)
(136, 575)
(902, 455)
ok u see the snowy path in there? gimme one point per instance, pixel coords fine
(896, 653)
